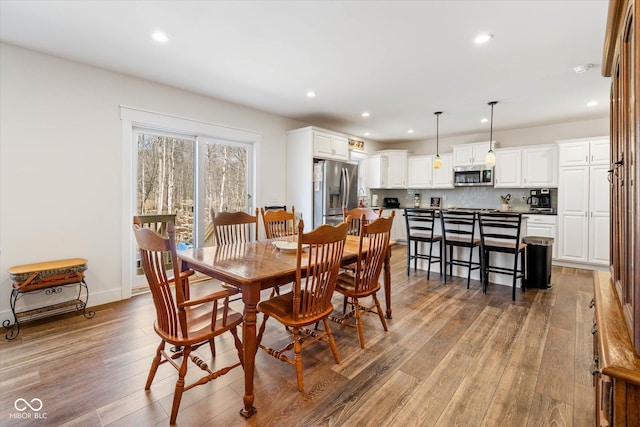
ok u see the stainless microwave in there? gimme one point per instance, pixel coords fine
(473, 176)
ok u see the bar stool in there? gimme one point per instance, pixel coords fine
(500, 232)
(458, 228)
(420, 225)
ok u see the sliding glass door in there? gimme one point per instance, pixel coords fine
(183, 178)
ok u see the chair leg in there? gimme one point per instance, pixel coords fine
(429, 266)
(298, 357)
(358, 321)
(265, 317)
(415, 253)
(239, 346)
(177, 394)
(332, 342)
(469, 268)
(515, 275)
(523, 267)
(380, 312)
(212, 345)
(451, 260)
(408, 257)
(443, 263)
(154, 365)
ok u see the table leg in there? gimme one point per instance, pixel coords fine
(250, 297)
(387, 282)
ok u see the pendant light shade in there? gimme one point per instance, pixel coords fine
(437, 162)
(490, 158)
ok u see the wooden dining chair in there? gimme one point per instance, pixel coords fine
(372, 250)
(317, 265)
(458, 231)
(420, 225)
(234, 227)
(278, 223)
(370, 214)
(182, 322)
(500, 232)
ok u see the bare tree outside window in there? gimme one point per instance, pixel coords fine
(166, 180)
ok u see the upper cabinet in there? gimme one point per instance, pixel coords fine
(443, 177)
(540, 166)
(377, 171)
(388, 169)
(527, 167)
(579, 152)
(420, 172)
(470, 154)
(330, 146)
(508, 168)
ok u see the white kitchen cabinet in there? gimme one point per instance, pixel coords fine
(470, 154)
(397, 168)
(330, 146)
(508, 168)
(443, 177)
(377, 170)
(420, 171)
(584, 151)
(583, 203)
(539, 166)
(543, 226)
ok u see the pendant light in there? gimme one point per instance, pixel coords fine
(437, 162)
(490, 158)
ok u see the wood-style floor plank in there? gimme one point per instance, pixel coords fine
(452, 356)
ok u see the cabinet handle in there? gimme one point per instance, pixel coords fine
(592, 303)
(594, 369)
(594, 329)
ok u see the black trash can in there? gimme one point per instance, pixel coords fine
(538, 259)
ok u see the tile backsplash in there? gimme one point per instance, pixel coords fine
(465, 197)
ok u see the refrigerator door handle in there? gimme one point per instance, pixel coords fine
(348, 182)
(343, 187)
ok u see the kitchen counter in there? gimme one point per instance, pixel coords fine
(460, 208)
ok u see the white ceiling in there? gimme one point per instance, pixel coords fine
(399, 60)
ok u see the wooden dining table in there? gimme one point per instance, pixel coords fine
(255, 266)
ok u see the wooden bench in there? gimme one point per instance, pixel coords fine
(48, 277)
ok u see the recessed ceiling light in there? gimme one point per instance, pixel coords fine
(160, 37)
(366, 114)
(410, 131)
(482, 38)
(582, 68)
(366, 134)
(312, 94)
(592, 103)
(484, 120)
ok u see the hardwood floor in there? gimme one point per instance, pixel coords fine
(452, 356)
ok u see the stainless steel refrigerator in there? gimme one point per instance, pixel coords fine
(335, 184)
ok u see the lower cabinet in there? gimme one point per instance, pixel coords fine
(616, 366)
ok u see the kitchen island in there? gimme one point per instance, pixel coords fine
(533, 223)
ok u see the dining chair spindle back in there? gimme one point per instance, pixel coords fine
(317, 264)
(364, 282)
(182, 322)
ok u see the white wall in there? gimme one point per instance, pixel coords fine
(61, 161)
(515, 137)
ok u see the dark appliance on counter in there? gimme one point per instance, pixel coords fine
(473, 176)
(390, 203)
(335, 184)
(539, 200)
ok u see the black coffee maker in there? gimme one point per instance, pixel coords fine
(540, 199)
